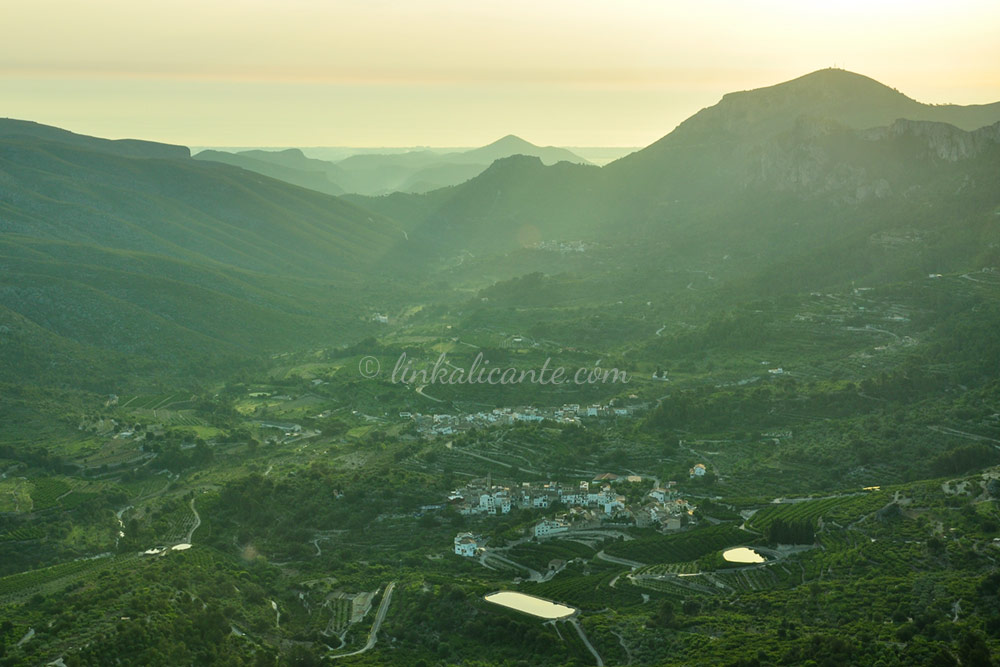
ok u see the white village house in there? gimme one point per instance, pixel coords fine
(466, 545)
(548, 527)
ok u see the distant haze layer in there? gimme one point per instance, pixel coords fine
(449, 73)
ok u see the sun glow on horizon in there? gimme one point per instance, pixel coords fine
(443, 72)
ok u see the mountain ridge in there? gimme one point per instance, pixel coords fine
(810, 149)
(855, 100)
(163, 263)
(289, 165)
(135, 148)
(374, 174)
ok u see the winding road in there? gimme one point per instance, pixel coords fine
(197, 522)
(621, 640)
(533, 575)
(420, 390)
(619, 561)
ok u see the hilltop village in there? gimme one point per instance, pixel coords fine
(431, 425)
(608, 499)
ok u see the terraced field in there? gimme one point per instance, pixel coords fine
(49, 579)
(757, 579)
(156, 401)
(23, 533)
(840, 509)
(340, 618)
(689, 567)
(46, 491)
(682, 547)
(537, 556)
(588, 591)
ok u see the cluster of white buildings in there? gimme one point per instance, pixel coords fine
(663, 506)
(570, 413)
(563, 247)
(588, 505)
(483, 497)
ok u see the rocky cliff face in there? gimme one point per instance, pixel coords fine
(805, 160)
(944, 141)
(821, 158)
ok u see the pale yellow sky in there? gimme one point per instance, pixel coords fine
(459, 73)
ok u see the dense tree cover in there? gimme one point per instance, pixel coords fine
(66, 524)
(183, 606)
(964, 459)
(35, 457)
(287, 511)
(782, 531)
(449, 623)
(680, 547)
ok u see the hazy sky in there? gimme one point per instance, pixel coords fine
(459, 73)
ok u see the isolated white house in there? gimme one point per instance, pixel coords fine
(466, 545)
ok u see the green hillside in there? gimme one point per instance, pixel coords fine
(788, 175)
(785, 448)
(170, 263)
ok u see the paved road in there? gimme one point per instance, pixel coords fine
(530, 471)
(894, 335)
(383, 608)
(583, 637)
(420, 390)
(620, 561)
(621, 640)
(197, 522)
(962, 434)
(533, 575)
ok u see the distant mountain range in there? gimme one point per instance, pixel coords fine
(119, 254)
(825, 158)
(289, 165)
(383, 173)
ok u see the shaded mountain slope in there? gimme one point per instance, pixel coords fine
(140, 267)
(302, 173)
(422, 171)
(774, 172)
(11, 128)
(185, 209)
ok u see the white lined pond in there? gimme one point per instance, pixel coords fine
(529, 604)
(742, 555)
